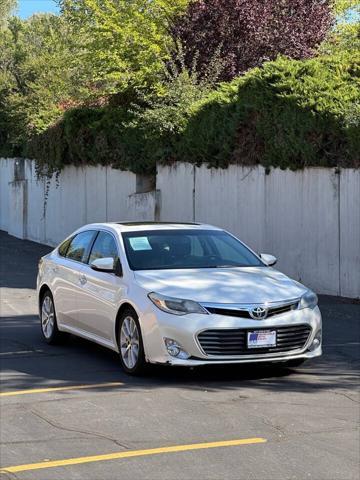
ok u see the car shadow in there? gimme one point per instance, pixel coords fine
(28, 362)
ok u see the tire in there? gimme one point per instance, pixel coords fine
(131, 348)
(48, 322)
(295, 363)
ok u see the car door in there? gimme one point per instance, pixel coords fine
(101, 292)
(72, 254)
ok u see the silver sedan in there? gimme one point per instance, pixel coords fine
(176, 294)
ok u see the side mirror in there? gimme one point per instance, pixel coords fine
(106, 265)
(103, 265)
(270, 260)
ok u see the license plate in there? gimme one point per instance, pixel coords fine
(263, 339)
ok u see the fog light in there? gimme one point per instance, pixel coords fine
(175, 349)
(316, 342)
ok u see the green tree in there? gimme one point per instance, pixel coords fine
(37, 78)
(6, 9)
(342, 7)
(123, 43)
(346, 32)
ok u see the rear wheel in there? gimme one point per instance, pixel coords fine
(49, 327)
(131, 347)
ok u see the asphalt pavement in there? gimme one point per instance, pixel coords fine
(69, 412)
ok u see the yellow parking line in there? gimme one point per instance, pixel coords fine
(130, 453)
(58, 389)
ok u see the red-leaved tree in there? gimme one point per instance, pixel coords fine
(248, 32)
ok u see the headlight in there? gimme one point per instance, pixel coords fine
(308, 300)
(175, 306)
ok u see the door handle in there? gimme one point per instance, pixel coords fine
(83, 279)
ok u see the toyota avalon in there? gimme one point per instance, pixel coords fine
(176, 294)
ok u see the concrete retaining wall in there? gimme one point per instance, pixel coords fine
(77, 197)
(309, 219)
(6, 176)
(349, 229)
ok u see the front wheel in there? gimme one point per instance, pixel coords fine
(131, 347)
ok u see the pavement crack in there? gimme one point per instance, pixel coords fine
(269, 423)
(325, 430)
(85, 432)
(46, 440)
(347, 396)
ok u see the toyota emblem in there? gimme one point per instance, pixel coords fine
(258, 313)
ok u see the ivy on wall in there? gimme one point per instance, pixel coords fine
(287, 113)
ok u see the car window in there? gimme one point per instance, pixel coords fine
(197, 247)
(64, 247)
(225, 247)
(167, 249)
(80, 246)
(104, 247)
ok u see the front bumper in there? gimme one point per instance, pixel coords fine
(157, 325)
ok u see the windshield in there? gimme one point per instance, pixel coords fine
(179, 249)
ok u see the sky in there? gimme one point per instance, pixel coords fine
(28, 7)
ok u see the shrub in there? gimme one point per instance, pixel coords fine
(288, 113)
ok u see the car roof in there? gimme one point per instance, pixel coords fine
(148, 226)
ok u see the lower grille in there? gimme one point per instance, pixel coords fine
(233, 342)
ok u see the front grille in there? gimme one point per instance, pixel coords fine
(234, 341)
(282, 309)
(245, 313)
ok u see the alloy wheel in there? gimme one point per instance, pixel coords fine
(47, 316)
(129, 342)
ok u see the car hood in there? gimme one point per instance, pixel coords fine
(222, 285)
